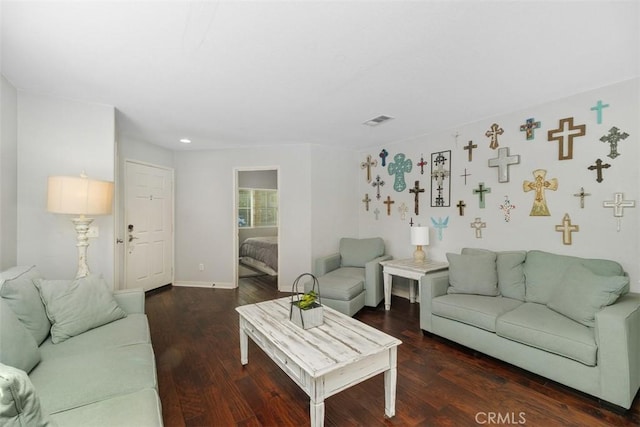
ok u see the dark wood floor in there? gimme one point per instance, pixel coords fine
(202, 383)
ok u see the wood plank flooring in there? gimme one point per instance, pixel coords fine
(202, 383)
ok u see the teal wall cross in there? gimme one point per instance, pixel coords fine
(399, 167)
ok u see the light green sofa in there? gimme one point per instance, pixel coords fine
(104, 376)
(351, 278)
(569, 319)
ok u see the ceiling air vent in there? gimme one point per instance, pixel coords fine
(377, 120)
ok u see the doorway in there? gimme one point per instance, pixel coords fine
(257, 224)
(148, 222)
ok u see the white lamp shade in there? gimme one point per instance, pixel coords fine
(420, 236)
(79, 196)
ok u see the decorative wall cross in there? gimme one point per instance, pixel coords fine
(612, 139)
(376, 212)
(478, 225)
(398, 168)
(540, 185)
(388, 202)
(465, 174)
(383, 155)
(367, 165)
(379, 183)
(598, 108)
(582, 195)
(480, 192)
(469, 147)
(506, 208)
(440, 225)
(461, 205)
(567, 228)
(528, 127)
(416, 190)
(403, 209)
(411, 222)
(493, 133)
(598, 168)
(618, 204)
(366, 201)
(422, 164)
(564, 135)
(502, 162)
(440, 187)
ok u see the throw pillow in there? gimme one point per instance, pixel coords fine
(358, 252)
(511, 280)
(583, 293)
(18, 290)
(18, 348)
(75, 306)
(19, 403)
(473, 274)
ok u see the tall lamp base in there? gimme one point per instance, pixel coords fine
(82, 227)
(419, 255)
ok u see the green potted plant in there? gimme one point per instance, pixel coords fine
(306, 309)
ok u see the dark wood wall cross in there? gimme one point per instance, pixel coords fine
(461, 205)
(388, 202)
(469, 147)
(598, 167)
(379, 183)
(564, 134)
(422, 164)
(416, 190)
(366, 201)
(493, 133)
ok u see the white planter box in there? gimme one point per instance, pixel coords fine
(306, 319)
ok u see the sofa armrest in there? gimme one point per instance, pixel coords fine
(327, 264)
(618, 335)
(130, 300)
(431, 285)
(373, 281)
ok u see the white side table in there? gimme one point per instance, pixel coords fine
(409, 269)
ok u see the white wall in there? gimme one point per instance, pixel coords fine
(597, 237)
(8, 175)
(61, 137)
(205, 213)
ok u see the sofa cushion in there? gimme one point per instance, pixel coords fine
(133, 329)
(19, 403)
(18, 348)
(583, 293)
(477, 310)
(18, 290)
(342, 284)
(139, 409)
(544, 272)
(510, 267)
(69, 382)
(473, 274)
(358, 252)
(538, 326)
(75, 306)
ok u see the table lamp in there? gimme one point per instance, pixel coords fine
(79, 196)
(419, 238)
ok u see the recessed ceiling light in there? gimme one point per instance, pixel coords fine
(185, 141)
(377, 120)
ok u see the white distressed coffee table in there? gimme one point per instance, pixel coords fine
(323, 360)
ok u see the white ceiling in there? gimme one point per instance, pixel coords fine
(246, 73)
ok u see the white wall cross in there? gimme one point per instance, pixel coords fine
(618, 204)
(502, 162)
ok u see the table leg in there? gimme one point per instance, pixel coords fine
(412, 291)
(387, 290)
(244, 343)
(316, 412)
(390, 381)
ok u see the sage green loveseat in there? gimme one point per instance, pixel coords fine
(92, 365)
(569, 319)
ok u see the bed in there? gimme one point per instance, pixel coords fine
(260, 253)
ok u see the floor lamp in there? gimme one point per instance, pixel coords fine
(81, 196)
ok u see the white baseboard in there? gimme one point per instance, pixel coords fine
(217, 285)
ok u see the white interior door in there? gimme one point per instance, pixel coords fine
(148, 226)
